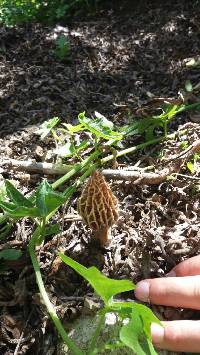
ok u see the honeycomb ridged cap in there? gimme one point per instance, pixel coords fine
(97, 205)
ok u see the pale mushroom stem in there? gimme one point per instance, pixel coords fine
(102, 235)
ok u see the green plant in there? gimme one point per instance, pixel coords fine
(135, 319)
(40, 207)
(47, 127)
(192, 164)
(13, 12)
(103, 133)
(45, 201)
(10, 254)
(62, 50)
(184, 145)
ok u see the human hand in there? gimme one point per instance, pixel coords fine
(181, 289)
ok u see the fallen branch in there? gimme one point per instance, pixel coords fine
(141, 177)
(35, 167)
(138, 176)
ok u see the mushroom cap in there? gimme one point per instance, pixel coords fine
(97, 204)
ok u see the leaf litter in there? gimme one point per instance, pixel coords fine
(119, 64)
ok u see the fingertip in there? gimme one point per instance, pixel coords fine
(157, 333)
(172, 273)
(142, 291)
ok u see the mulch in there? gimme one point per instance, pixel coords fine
(119, 60)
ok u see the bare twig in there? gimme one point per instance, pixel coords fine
(37, 167)
(137, 175)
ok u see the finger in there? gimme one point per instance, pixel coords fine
(177, 335)
(170, 291)
(187, 268)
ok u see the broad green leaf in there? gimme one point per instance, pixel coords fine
(16, 196)
(196, 157)
(133, 335)
(149, 133)
(99, 129)
(47, 126)
(47, 200)
(52, 229)
(106, 288)
(10, 254)
(16, 212)
(144, 312)
(141, 126)
(103, 120)
(73, 129)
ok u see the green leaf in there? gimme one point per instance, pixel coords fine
(104, 121)
(47, 126)
(3, 193)
(99, 127)
(62, 50)
(106, 288)
(73, 129)
(141, 126)
(145, 313)
(16, 212)
(47, 200)
(134, 336)
(5, 230)
(52, 229)
(10, 254)
(16, 196)
(190, 166)
(184, 144)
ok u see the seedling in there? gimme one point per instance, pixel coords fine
(62, 50)
(192, 165)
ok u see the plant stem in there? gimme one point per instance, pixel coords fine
(70, 190)
(97, 332)
(78, 167)
(72, 346)
(139, 146)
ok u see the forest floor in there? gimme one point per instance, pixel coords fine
(120, 64)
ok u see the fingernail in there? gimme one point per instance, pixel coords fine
(142, 291)
(157, 333)
(171, 274)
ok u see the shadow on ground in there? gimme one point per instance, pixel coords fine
(115, 60)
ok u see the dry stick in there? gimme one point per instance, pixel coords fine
(138, 176)
(59, 169)
(36, 167)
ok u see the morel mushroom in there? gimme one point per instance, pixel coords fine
(98, 206)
